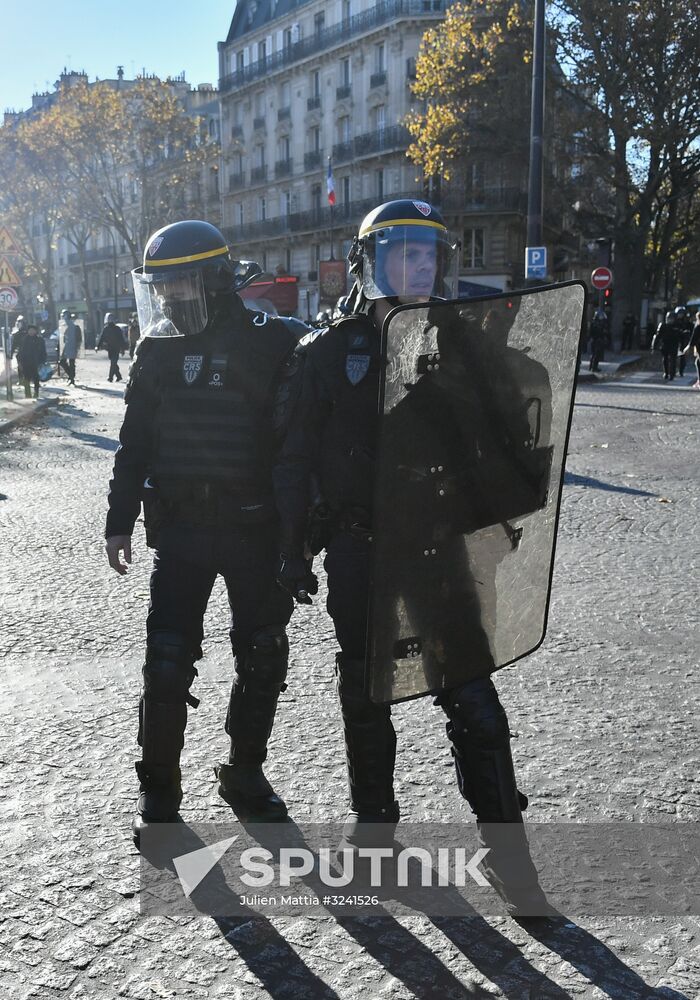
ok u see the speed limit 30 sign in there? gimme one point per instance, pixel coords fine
(8, 298)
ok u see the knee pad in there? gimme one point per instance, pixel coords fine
(268, 654)
(169, 669)
(476, 714)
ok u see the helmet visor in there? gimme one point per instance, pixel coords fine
(172, 304)
(410, 262)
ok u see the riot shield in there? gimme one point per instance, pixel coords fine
(475, 408)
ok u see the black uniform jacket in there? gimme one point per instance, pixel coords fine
(333, 428)
(200, 418)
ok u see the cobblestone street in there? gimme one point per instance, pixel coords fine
(604, 718)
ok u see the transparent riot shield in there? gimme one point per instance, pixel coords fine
(475, 410)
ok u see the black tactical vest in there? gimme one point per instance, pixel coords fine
(346, 360)
(214, 418)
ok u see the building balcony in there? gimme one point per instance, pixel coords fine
(283, 114)
(384, 12)
(341, 93)
(236, 181)
(259, 122)
(313, 160)
(283, 168)
(312, 103)
(378, 79)
(383, 140)
(258, 174)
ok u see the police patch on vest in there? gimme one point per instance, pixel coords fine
(356, 367)
(191, 367)
(217, 371)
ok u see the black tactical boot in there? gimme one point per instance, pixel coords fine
(480, 736)
(257, 684)
(160, 795)
(370, 747)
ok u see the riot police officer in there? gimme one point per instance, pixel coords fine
(403, 254)
(197, 449)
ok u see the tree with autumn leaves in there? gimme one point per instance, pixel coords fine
(98, 158)
(623, 110)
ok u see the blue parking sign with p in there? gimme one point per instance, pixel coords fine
(536, 262)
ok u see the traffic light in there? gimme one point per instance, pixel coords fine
(607, 297)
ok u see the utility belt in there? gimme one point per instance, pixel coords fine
(324, 523)
(206, 505)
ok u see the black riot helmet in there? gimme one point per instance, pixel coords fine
(186, 265)
(403, 251)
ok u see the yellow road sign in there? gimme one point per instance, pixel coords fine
(7, 241)
(8, 275)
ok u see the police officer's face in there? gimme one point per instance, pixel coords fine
(410, 270)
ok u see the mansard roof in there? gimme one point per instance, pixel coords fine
(252, 14)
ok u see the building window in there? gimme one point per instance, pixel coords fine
(319, 22)
(380, 58)
(379, 118)
(285, 95)
(262, 50)
(379, 182)
(263, 260)
(286, 203)
(344, 129)
(288, 260)
(283, 149)
(287, 39)
(345, 73)
(347, 11)
(315, 83)
(315, 139)
(346, 190)
(316, 198)
(240, 62)
(259, 156)
(240, 213)
(262, 210)
(473, 248)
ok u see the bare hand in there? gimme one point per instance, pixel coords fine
(114, 545)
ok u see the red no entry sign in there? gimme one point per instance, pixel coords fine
(601, 278)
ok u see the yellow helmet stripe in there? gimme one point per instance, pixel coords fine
(402, 222)
(187, 260)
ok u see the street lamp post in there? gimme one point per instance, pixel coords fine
(534, 195)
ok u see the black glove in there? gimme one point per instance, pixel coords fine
(295, 576)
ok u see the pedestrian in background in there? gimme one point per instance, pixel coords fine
(685, 328)
(17, 336)
(112, 341)
(31, 355)
(628, 328)
(72, 338)
(694, 346)
(599, 338)
(134, 333)
(666, 341)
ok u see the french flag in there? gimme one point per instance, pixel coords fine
(329, 184)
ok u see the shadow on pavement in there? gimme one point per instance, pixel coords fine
(631, 409)
(597, 963)
(97, 440)
(572, 479)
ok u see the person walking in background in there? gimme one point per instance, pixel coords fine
(17, 336)
(666, 341)
(112, 341)
(134, 333)
(72, 338)
(628, 328)
(684, 326)
(31, 355)
(694, 346)
(599, 338)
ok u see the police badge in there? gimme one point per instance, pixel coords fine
(356, 367)
(191, 367)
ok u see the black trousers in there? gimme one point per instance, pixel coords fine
(68, 365)
(670, 363)
(188, 560)
(114, 367)
(347, 565)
